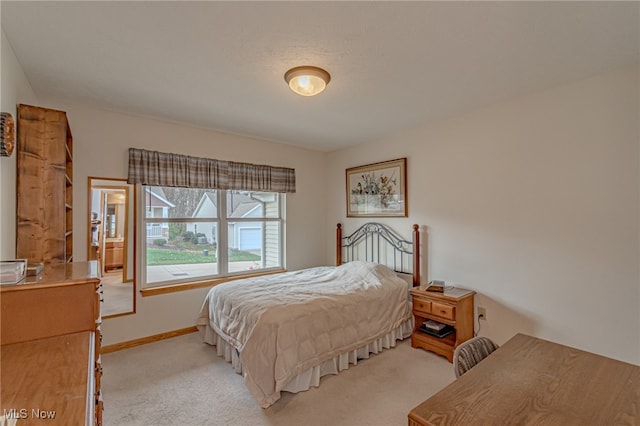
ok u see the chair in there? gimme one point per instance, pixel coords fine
(471, 352)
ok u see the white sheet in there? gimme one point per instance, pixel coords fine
(285, 324)
(311, 377)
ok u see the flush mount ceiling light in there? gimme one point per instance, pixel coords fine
(307, 80)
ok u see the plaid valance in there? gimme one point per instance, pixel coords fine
(164, 169)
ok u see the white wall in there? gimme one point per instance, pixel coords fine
(14, 89)
(534, 203)
(100, 143)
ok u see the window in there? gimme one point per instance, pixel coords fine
(197, 234)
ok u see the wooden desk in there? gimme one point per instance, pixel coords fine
(533, 381)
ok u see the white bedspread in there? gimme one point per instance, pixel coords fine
(287, 323)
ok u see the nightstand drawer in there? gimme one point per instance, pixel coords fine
(444, 311)
(421, 305)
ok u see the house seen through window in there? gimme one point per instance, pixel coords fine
(195, 234)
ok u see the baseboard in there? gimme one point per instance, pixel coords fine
(148, 339)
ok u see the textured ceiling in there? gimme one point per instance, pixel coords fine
(394, 65)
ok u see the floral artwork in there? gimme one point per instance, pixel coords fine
(377, 189)
(383, 187)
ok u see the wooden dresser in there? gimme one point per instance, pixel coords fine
(50, 353)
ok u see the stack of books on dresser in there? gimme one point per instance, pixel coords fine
(435, 328)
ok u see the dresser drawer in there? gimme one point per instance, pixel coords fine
(444, 311)
(114, 244)
(421, 305)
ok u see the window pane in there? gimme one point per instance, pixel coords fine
(248, 204)
(161, 202)
(272, 245)
(184, 250)
(181, 233)
(253, 245)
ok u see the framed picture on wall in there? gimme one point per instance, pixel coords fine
(377, 190)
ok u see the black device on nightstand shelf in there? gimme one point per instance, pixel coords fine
(436, 328)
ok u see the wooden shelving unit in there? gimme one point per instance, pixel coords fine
(69, 196)
(44, 186)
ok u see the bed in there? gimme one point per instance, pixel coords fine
(283, 332)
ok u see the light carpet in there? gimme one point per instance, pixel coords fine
(118, 296)
(181, 381)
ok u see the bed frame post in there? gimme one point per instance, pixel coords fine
(416, 255)
(339, 245)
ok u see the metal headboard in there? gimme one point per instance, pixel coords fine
(375, 242)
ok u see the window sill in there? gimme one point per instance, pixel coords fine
(153, 291)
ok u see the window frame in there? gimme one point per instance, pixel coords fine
(222, 223)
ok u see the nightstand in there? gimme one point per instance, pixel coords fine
(453, 307)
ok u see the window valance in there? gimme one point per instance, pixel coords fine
(164, 169)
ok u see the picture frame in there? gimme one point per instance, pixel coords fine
(378, 189)
(7, 134)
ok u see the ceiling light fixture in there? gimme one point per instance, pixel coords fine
(307, 80)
